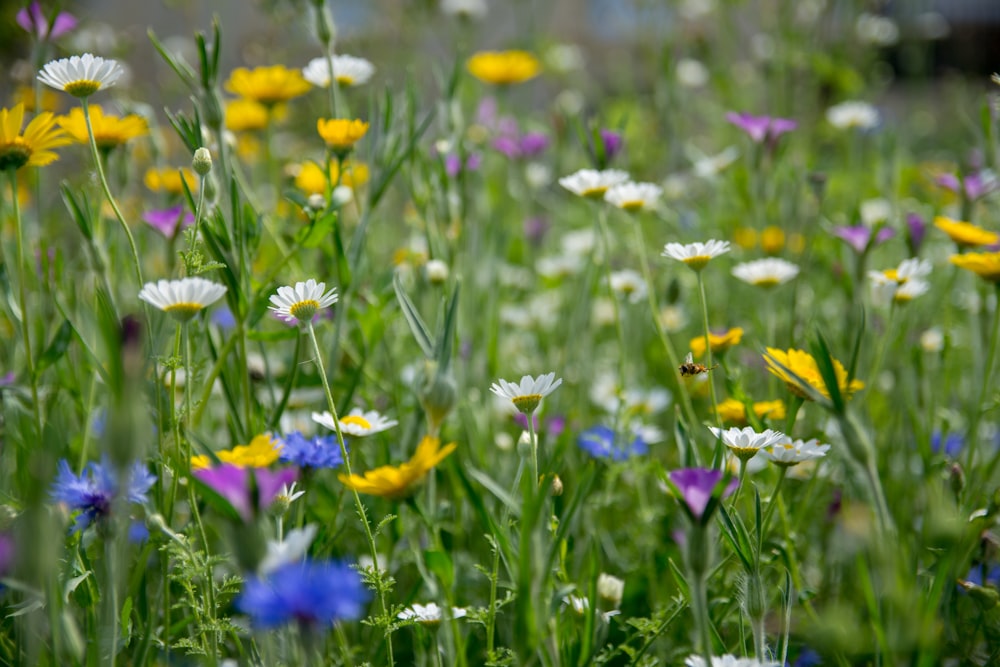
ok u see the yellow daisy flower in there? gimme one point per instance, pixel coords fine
(262, 451)
(34, 147)
(966, 234)
(311, 180)
(109, 131)
(341, 134)
(731, 410)
(245, 115)
(267, 85)
(26, 95)
(719, 342)
(772, 240)
(745, 237)
(397, 482)
(503, 67)
(803, 365)
(168, 179)
(986, 265)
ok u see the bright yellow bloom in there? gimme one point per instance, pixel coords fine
(267, 85)
(168, 179)
(244, 115)
(745, 237)
(772, 240)
(986, 265)
(262, 451)
(397, 482)
(34, 147)
(341, 134)
(719, 342)
(966, 234)
(109, 131)
(312, 181)
(503, 67)
(731, 410)
(803, 365)
(26, 96)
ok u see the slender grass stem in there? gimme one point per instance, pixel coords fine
(708, 348)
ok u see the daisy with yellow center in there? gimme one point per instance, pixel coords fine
(527, 394)
(732, 410)
(267, 85)
(168, 179)
(262, 451)
(503, 68)
(593, 184)
(81, 76)
(397, 482)
(340, 134)
(720, 342)
(902, 284)
(806, 373)
(766, 273)
(745, 443)
(357, 422)
(790, 453)
(245, 115)
(696, 255)
(986, 265)
(966, 234)
(182, 299)
(347, 71)
(633, 197)
(109, 130)
(34, 147)
(302, 302)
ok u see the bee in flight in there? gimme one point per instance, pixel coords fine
(691, 368)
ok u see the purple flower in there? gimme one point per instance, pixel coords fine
(7, 379)
(453, 163)
(223, 318)
(602, 442)
(167, 221)
(7, 554)
(94, 491)
(761, 128)
(234, 484)
(859, 237)
(974, 186)
(916, 230)
(33, 19)
(315, 452)
(312, 593)
(696, 486)
(508, 145)
(613, 142)
(535, 228)
(533, 144)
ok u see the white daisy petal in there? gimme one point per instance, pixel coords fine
(745, 443)
(592, 183)
(789, 453)
(768, 272)
(302, 302)
(633, 196)
(696, 255)
(81, 76)
(347, 71)
(183, 298)
(528, 393)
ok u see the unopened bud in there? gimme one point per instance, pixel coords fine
(610, 590)
(557, 486)
(437, 271)
(437, 395)
(202, 162)
(316, 202)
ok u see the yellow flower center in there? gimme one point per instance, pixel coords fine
(82, 88)
(14, 154)
(182, 312)
(595, 193)
(345, 80)
(356, 420)
(632, 206)
(304, 310)
(770, 281)
(698, 262)
(527, 403)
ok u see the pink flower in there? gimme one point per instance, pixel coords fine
(33, 19)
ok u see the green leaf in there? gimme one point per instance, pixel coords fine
(417, 326)
(72, 584)
(497, 490)
(440, 564)
(318, 231)
(446, 340)
(824, 362)
(737, 536)
(57, 347)
(79, 212)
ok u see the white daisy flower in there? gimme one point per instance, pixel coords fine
(592, 183)
(466, 9)
(902, 284)
(528, 394)
(910, 290)
(428, 614)
(300, 303)
(769, 272)
(183, 298)
(290, 550)
(633, 196)
(746, 442)
(357, 422)
(610, 589)
(727, 661)
(853, 114)
(347, 71)
(629, 284)
(81, 76)
(696, 255)
(788, 453)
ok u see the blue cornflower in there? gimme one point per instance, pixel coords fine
(95, 490)
(315, 452)
(952, 444)
(602, 442)
(314, 593)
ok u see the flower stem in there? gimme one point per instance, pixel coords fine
(708, 348)
(534, 451)
(699, 604)
(108, 195)
(987, 376)
(782, 471)
(347, 466)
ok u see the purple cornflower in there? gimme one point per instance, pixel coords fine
(974, 186)
(168, 221)
(311, 593)
(94, 491)
(223, 318)
(314, 452)
(515, 145)
(916, 230)
(697, 488)
(453, 165)
(34, 20)
(612, 142)
(860, 238)
(761, 128)
(602, 442)
(235, 485)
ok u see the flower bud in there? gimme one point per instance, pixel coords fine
(316, 202)
(610, 590)
(437, 393)
(557, 486)
(202, 162)
(437, 271)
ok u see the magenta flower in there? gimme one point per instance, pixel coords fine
(453, 165)
(235, 485)
(168, 221)
(916, 229)
(697, 489)
(974, 186)
(613, 142)
(761, 128)
(33, 19)
(860, 238)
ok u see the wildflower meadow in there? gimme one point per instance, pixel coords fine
(473, 332)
